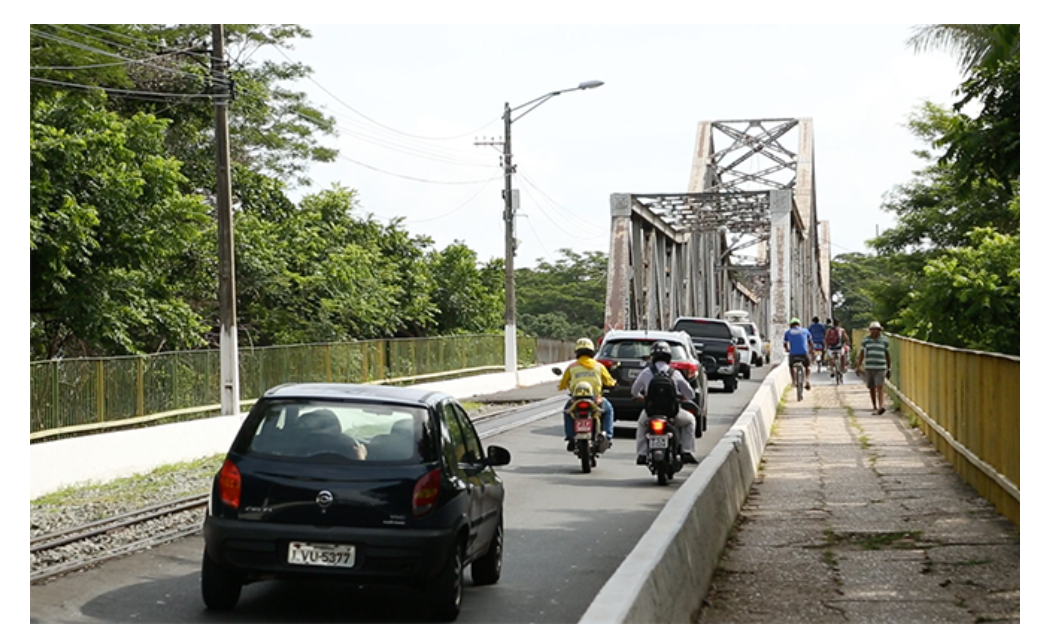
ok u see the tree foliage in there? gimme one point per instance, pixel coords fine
(465, 295)
(115, 243)
(564, 299)
(122, 223)
(948, 271)
(970, 296)
(988, 146)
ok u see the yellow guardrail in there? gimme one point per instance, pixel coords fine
(967, 403)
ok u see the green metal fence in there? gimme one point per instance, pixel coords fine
(121, 390)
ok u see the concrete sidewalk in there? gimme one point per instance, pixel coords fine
(856, 518)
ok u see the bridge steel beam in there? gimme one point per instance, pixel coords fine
(745, 236)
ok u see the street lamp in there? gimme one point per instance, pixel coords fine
(511, 351)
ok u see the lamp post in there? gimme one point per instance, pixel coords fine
(511, 350)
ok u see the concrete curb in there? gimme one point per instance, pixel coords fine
(102, 458)
(667, 575)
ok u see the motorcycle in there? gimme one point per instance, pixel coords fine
(589, 441)
(664, 458)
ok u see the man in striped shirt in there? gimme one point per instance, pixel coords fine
(875, 353)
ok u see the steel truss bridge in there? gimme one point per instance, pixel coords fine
(745, 236)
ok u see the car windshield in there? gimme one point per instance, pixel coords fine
(639, 349)
(343, 432)
(704, 329)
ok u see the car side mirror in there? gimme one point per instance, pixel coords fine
(498, 456)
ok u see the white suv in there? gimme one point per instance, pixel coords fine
(742, 344)
(741, 319)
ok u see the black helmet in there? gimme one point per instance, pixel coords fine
(660, 351)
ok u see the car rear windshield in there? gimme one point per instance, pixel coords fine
(345, 432)
(706, 329)
(639, 349)
(751, 330)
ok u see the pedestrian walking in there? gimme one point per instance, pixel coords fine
(874, 354)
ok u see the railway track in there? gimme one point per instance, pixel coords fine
(94, 530)
(90, 544)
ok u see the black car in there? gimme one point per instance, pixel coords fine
(626, 353)
(360, 483)
(718, 340)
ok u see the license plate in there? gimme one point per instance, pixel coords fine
(659, 442)
(633, 374)
(338, 555)
(584, 425)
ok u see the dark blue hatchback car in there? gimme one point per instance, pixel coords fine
(360, 483)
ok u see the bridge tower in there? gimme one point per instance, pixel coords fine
(744, 236)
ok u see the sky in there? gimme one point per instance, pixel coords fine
(416, 104)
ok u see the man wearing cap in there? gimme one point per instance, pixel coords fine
(875, 354)
(800, 348)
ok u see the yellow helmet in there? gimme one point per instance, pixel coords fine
(583, 389)
(584, 343)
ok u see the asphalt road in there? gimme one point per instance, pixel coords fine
(565, 534)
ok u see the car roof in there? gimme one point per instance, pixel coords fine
(355, 392)
(704, 320)
(646, 335)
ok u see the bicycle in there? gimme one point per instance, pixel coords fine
(798, 379)
(833, 358)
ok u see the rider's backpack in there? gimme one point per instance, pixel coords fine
(832, 337)
(661, 398)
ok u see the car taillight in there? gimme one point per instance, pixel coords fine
(731, 354)
(688, 370)
(658, 426)
(608, 363)
(583, 408)
(230, 484)
(425, 493)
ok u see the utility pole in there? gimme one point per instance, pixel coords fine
(229, 388)
(511, 350)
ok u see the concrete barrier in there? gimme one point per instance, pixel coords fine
(667, 575)
(101, 458)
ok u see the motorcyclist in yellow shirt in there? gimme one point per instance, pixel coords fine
(585, 368)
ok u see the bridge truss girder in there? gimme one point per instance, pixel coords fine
(685, 254)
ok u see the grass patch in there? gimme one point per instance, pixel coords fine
(130, 488)
(973, 563)
(876, 541)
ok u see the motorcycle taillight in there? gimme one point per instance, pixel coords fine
(583, 408)
(658, 426)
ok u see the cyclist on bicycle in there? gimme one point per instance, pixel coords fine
(817, 331)
(799, 346)
(836, 340)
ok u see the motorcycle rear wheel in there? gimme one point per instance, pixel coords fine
(661, 477)
(585, 455)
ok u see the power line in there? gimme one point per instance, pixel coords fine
(472, 198)
(127, 92)
(413, 178)
(86, 47)
(396, 131)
